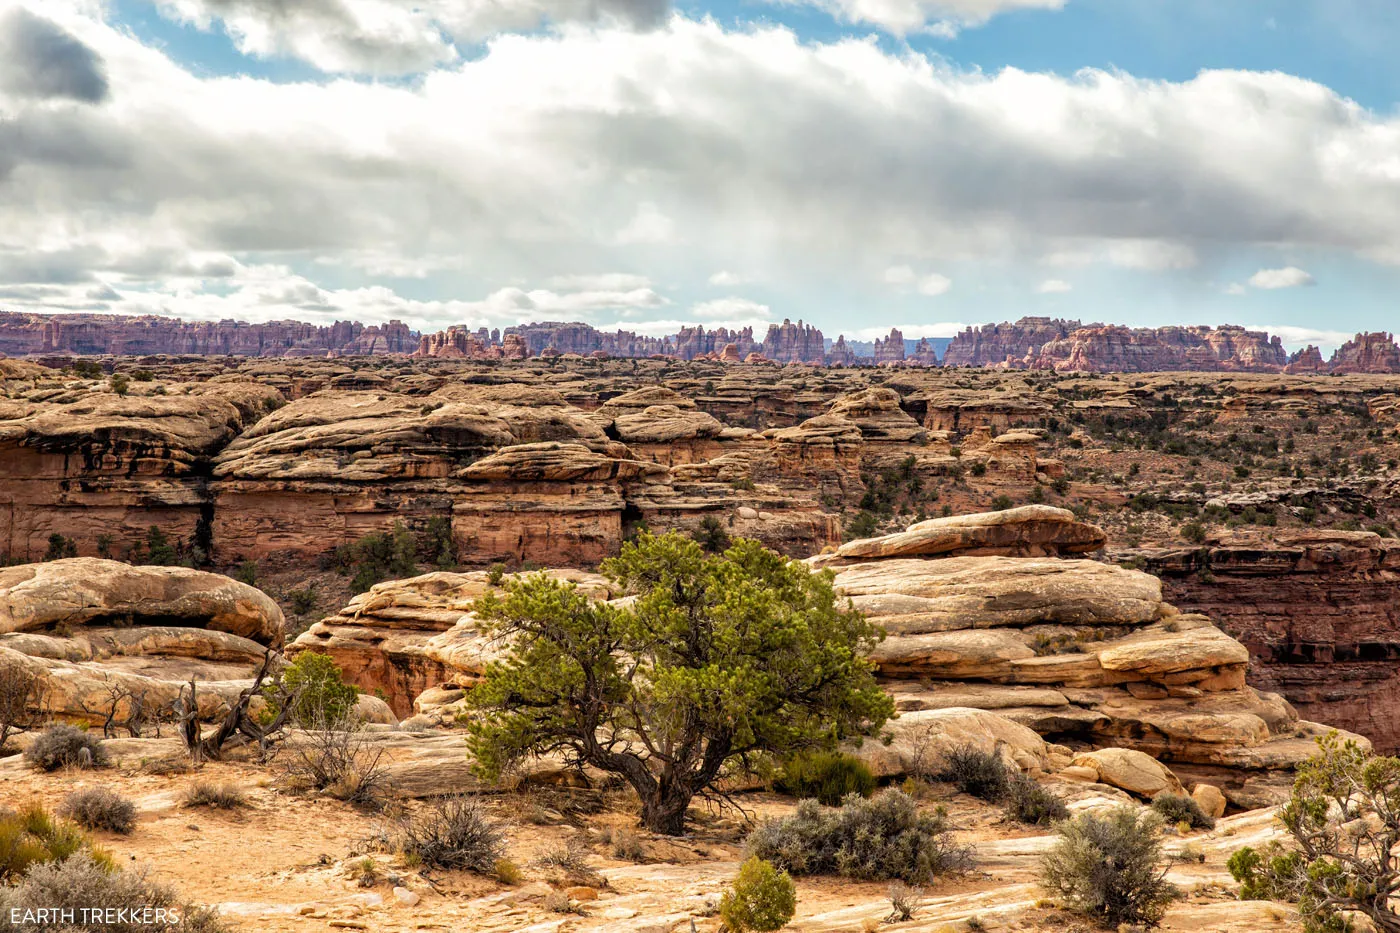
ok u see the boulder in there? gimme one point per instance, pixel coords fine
(1133, 771)
(1209, 798)
(919, 741)
(84, 591)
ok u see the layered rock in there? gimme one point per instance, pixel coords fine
(794, 343)
(1367, 353)
(1028, 531)
(992, 344)
(105, 636)
(1318, 610)
(1135, 350)
(102, 470)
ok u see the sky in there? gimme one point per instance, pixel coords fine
(649, 164)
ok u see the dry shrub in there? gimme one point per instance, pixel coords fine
(337, 758)
(65, 746)
(220, 796)
(98, 808)
(456, 833)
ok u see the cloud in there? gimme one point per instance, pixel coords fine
(911, 331)
(724, 279)
(930, 284)
(731, 309)
(671, 153)
(1054, 287)
(943, 18)
(1302, 336)
(607, 281)
(665, 328)
(391, 36)
(648, 225)
(1235, 288)
(1290, 277)
(934, 284)
(42, 61)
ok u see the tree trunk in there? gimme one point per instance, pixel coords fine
(664, 811)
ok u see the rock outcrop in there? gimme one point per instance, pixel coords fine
(1028, 531)
(1367, 353)
(105, 637)
(1318, 610)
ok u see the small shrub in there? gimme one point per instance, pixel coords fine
(762, 899)
(336, 758)
(628, 846)
(121, 383)
(495, 574)
(1028, 802)
(883, 838)
(507, 872)
(827, 776)
(1179, 808)
(1110, 867)
(1002, 503)
(904, 901)
(1194, 532)
(247, 572)
(94, 884)
(569, 864)
(60, 547)
(454, 834)
(864, 525)
(63, 746)
(98, 808)
(225, 796)
(322, 696)
(711, 535)
(35, 837)
(973, 771)
(303, 600)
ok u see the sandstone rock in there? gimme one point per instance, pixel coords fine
(1028, 531)
(920, 740)
(86, 591)
(1131, 770)
(1209, 799)
(406, 897)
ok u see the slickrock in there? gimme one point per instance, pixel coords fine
(917, 742)
(1131, 770)
(1028, 531)
(86, 591)
(878, 416)
(101, 633)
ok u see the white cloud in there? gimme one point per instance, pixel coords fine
(1299, 337)
(1235, 288)
(726, 279)
(934, 284)
(648, 225)
(390, 36)
(943, 18)
(607, 281)
(531, 159)
(911, 331)
(731, 309)
(1290, 277)
(1054, 287)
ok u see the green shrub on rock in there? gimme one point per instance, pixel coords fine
(829, 777)
(762, 899)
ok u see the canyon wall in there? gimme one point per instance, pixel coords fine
(1319, 612)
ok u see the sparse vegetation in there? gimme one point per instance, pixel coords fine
(99, 808)
(1110, 866)
(320, 694)
(1027, 802)
(883, 838)
(35, 837)
(216, 796)
(1179, 808)
(974, 771)
(65, 746)
(21, 699)
(455, 833)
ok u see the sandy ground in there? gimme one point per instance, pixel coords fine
(292, 863)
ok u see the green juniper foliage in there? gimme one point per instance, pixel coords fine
(718, 661)
(1343, 820)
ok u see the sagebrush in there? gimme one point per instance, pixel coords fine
(99, 808)
(1110, 867)
(65, 746)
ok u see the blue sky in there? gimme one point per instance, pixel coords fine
(858, 164)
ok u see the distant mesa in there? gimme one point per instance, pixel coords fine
(1031, 343)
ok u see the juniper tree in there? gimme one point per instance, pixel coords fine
(716, 661)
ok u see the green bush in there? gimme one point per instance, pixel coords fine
(1179, 808)
(1110, 867)
(973, 771)
(60, 547)
(762, 899)
(65, 746)
(321, 695)
(711, 536)
(98, 808)
(377, 557)
(827, 776)
(1028, 802)
(1002, 503)
(247, 572)
(864, 525)
(883, 838)
(1342, 818)
(304, 600)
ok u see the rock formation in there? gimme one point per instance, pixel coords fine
(1318, 610)
(1367, 353)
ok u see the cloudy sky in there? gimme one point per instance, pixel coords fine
(647, 163)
